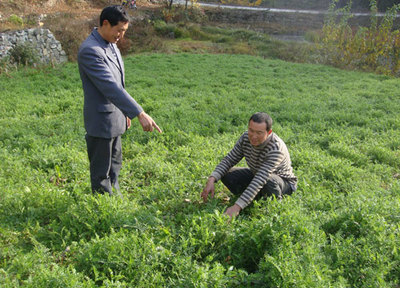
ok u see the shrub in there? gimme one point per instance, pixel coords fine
(367, 48)
(224, 39)
(241, 48)
(14, 19)
(23, 54)
(312, 36)
(197, 33)
(179, 13)
(242, 2)
(164, 29)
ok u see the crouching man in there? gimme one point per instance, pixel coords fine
(270, 170)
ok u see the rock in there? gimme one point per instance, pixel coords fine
(49, 49)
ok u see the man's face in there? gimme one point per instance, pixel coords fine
(257, 133)
(113, 34)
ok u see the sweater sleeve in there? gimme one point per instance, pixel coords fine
(230, 160)
(275, 157)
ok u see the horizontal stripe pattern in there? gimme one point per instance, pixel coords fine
(270, 157)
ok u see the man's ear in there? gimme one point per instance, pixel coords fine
(105, 22)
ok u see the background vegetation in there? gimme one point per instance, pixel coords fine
(340, 229)
(339, 42)
(372, 48)
(357, 5)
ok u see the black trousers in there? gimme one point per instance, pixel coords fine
(105, 157)
(238, 178)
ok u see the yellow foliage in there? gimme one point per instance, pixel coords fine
(374, 48)
(242, 2)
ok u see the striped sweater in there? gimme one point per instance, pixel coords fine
(271, 157)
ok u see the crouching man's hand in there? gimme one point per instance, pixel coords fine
(210, 188)
(233, 210)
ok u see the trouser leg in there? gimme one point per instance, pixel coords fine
(238, 179)
(105, 159)
(116, 164)
(276, 186)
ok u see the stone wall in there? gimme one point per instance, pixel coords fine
(280, 22)
(267, 21)
(48, 48)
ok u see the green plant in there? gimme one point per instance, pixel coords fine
(162, 28)
(23, 54)
(16, 20)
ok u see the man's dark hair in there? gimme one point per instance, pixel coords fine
(114, 14)
(261, 117)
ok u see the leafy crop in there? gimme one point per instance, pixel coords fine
(340, 229)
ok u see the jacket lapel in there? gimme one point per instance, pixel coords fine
(109, 53)
(117, 61)
(121, 65)
(111, 56)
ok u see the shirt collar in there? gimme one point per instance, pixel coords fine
(99, 38)
(265, 143)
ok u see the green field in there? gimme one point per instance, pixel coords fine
(340, 229)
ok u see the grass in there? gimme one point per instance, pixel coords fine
(340, 229)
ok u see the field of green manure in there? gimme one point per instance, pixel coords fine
(340, 229)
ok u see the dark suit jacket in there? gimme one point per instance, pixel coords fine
(106, 102)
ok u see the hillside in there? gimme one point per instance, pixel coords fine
(31, 13)
(83, 8)
(209, 30)
(23, 8)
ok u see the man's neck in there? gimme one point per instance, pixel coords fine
(101, 32)
(263, 144)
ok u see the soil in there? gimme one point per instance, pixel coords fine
(25, 8)
(33, 12)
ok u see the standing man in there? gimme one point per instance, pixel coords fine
(269, 173)
(108, 107)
